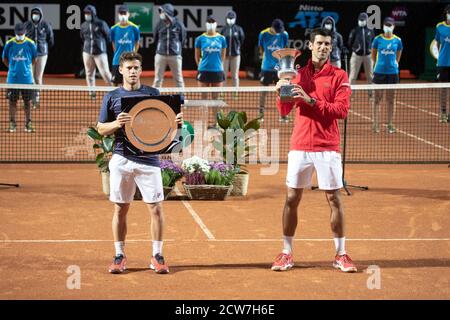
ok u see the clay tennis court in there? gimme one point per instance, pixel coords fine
(58, 220)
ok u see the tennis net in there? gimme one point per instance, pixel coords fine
(418, 133)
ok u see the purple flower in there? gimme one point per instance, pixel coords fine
(169, 165)
(221, 167)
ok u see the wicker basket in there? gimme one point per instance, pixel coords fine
(207, 192)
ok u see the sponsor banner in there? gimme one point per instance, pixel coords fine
(146, 15)
(13, 13)
(141, 13)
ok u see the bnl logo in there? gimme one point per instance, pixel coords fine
(312, 19)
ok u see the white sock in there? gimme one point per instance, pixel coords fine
(287, 244)
(119, 245)
(157, 247)
(340, 246)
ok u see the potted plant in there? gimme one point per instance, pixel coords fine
(170, 173)
(207, 181)
(104, 145)
(234, 146)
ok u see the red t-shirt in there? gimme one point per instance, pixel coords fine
(316, 127)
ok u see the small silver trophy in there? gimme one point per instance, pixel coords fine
(286, 70)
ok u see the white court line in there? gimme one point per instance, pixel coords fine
(196, 217)
(229, 240)
(406, 133)
(434, 114)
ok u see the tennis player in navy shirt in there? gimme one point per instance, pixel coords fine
(130, 167)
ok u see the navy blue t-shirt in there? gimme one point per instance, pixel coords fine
(111, 107)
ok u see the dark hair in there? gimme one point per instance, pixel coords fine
(319, 32)
(129, 56)
(446, 10)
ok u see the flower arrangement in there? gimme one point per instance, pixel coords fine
(220, 174)
(195, 170)
(200, 172)
(170, 173)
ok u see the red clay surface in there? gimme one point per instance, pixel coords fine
(59, 218)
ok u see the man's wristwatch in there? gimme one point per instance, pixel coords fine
(312, 101)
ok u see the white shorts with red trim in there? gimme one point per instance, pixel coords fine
(126, 174)
(301, 165)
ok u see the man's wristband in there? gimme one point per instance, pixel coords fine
(312, 101)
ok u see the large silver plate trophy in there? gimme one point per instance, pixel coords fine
(286, 70)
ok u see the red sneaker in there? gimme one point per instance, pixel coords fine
(119, 264)
(283, 262)
(344, 263)
(158, 264)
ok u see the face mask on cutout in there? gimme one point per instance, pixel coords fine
(388, 29)
(20, 37)
(362, 23)
(211, 26)
(88, 17)
(35, 17)
(231, 21)
(123, 17)
(328, 26)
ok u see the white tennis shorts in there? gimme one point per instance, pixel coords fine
(126, 174)
(301, 166)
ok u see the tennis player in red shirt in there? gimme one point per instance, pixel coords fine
(322, 96)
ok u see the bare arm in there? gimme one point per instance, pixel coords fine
(261, 52)
(399, 55)
(224, 53)
(109, 128)
(136, 46)
(6, 62)
(197, 56)
(113, 46)
(374, 55)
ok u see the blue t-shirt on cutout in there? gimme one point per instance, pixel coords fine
(386, 62)
(124, 38)
(211, 48)
(443, 37)
(20, 56)
(271, 42)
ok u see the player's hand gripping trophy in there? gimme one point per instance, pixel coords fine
(286, 71)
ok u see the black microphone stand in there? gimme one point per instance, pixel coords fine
(344, 151)
(10, 184)
(344, 147)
